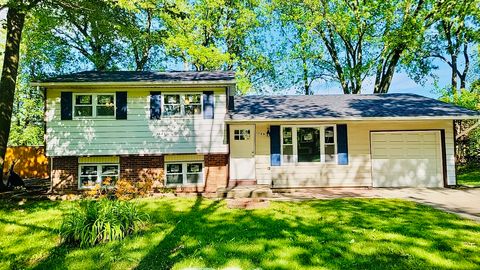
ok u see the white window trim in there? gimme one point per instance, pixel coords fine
(182, 105)
(241, 134)
(99, 173)
(184, 173)
(94, 106)
(295, 144)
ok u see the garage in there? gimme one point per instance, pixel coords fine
(406, 159)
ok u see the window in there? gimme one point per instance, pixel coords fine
(308, 144)
(184, 173)
(91, 175)
(241, 134)
(94, 105)
(187, 104)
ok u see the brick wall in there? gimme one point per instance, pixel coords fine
(64, 174)
(141, 167)
(65, 170)
(216, 172)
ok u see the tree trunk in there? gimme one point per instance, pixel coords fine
(15, 22)
(454, 74)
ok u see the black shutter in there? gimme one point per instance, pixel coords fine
(342, 144)
(275, 145)
(208, 104)
(155, 105)
(66, 105)
(121, 101)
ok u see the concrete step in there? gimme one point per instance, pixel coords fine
(246, 192)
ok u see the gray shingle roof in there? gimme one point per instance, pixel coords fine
(141, 76)
(344, 107)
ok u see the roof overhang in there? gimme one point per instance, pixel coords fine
(135, 84)
(330, 119)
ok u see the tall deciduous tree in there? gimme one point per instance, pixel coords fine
(16, 13)
(452, 39)
(362, 39)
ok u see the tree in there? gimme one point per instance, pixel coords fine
(362, 39)
(452, 38)
(16, 13)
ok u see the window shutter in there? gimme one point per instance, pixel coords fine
(208, 104)
(342, 144)
(121, 101)
(66, 105)
(275, 145)
(155, 105)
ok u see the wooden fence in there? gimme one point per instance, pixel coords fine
(31, 161)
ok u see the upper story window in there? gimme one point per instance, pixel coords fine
(101, 105)
(306, 144)
(187, 104)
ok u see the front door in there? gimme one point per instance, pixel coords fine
(242, 152)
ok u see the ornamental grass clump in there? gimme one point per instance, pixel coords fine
(100, 221)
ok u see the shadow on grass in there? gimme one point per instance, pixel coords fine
(331, 234)
(338, 234)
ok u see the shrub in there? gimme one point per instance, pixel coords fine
(100, 221)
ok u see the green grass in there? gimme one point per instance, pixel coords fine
(197, 232)
(469, 176)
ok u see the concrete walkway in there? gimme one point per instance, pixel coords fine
(464, 202)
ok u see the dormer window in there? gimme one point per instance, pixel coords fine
(94, 105)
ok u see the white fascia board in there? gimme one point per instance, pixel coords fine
(418, 118)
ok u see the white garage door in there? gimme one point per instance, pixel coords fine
(406, 159)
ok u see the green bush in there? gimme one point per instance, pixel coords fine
(100, 221)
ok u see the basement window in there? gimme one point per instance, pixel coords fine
(93, 175)
(184, 173)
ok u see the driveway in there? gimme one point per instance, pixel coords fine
(464, 202)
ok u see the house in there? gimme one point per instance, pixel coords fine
(189, 131)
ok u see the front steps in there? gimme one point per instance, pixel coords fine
(250, 191)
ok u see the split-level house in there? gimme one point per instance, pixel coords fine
(190, 131)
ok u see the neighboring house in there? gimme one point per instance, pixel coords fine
(189, 132)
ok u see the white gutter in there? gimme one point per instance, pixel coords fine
(418, 118)
(137, 83)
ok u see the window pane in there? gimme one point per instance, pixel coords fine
(329, 153)
(308, 144)
(192, 98)
(170, 110)
(110, 170)
(172, 99)
(88, 181)
(109, 180)
(83, 110)
(105, 111)
(287, 135)
(194, 167)
(194, 178)
(105, 100)
(193, 109)
(174, 168)
(329, 135)
(88, 170)
(174, 179)
(288, 154)
(83, 99)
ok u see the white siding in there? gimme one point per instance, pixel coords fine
(359, 171)
(138, 134)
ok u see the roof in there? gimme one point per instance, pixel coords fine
(95, 77)
(348, 107)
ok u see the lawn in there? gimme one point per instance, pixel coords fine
(468, 176)
(197, 232)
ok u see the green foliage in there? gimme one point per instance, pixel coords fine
(469, 99)
(101, 221)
